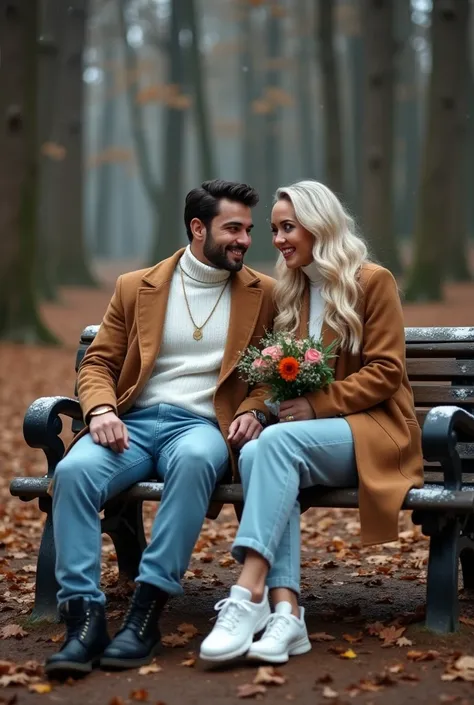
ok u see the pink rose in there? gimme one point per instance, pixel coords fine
(313, 356)
(259, 364)
(274, 351)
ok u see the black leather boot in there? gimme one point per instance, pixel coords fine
(86, 639)
(138, 640)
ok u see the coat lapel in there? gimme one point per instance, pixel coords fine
(152, 301)
(328, 334)
(244, 311)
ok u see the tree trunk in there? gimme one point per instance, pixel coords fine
(438, 171)
(355, 50)
(51, 18)
(331, 101)
(458, 267)
(407, 129)
(19, 318)
(195, 71)
(305, 106)
(168, 235)
(73, 269)
(105, 170)
(377, 185)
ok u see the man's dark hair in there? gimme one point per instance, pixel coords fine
(203, 202)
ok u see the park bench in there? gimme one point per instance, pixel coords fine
(441, 371)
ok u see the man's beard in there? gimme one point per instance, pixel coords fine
(218, 256)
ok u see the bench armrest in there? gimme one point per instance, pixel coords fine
(42, 426)
(444, 427)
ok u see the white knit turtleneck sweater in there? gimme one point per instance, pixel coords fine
(316, 303)
(186, 371)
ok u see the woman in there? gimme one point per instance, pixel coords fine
(360, 430)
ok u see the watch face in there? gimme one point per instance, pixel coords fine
(260, 416)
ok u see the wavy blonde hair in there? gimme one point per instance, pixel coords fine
(338, 252)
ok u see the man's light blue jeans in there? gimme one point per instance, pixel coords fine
(285, 458)
(187, 452)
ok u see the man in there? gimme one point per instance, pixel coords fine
(162, 398)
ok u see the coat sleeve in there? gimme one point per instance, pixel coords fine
(100, 368)
(383, 355)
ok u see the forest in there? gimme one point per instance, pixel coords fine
(113, 109)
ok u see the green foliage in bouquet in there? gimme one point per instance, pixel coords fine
(289, 366)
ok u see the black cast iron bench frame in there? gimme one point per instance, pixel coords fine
(441, 369)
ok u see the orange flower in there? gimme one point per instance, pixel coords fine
(288, 369)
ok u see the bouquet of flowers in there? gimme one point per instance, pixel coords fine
(291, 367)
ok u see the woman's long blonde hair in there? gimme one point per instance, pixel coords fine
(338, 253)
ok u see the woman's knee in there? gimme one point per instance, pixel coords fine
(246, 461)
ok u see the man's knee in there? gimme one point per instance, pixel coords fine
(72, 475)
(194, 462)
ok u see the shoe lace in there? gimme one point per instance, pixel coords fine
(230, 611)
(276, 624)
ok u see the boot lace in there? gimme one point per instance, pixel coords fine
(230, 612)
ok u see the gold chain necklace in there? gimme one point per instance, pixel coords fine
(197, 335)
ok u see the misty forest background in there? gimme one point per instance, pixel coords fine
(113, 109)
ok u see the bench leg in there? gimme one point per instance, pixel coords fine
(46, 586)
(442, 601)
(123, 522)
(466, 554)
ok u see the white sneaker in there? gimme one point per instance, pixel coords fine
(239, 619)
(284, 636)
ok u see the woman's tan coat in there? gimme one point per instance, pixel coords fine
(371, 390)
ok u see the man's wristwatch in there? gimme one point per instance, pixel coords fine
(103, 409)
(260, 416)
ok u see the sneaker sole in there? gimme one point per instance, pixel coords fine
(302, 646)
(221, 658)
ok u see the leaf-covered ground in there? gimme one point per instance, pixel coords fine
(364, 608)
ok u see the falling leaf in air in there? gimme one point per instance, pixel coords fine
(140, 694)
(268, 676)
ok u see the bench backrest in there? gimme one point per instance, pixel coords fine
(440, 363)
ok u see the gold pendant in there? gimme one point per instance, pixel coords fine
(197, 335)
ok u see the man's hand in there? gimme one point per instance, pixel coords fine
(108, 431)
(244, 429)
(296, 410)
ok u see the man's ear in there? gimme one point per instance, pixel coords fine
(198, 229)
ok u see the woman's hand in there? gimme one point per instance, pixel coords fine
(296, 410)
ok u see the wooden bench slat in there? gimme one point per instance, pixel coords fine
(439, 334)
(434, 394)
(448, 349)
(439, 369)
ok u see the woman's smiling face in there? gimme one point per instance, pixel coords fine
(290, 237)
